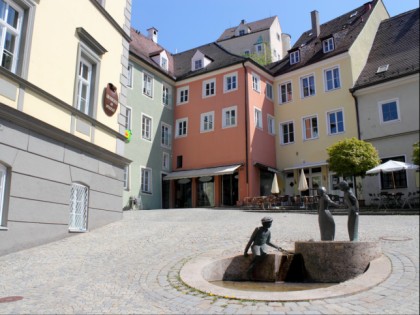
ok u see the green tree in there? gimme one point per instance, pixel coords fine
(416, 153)
(352, 157)
(263, 58)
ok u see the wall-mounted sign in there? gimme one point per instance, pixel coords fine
(110, 99)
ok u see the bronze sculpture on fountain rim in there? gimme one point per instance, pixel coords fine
(351, 202)
(260, 238)
(325, 218)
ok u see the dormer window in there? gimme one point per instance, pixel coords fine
(328, 45)
(294, 57)
(241, 32)
(198, 64)
(164, 63)
(382, 68)
(199, 61)
(161, 59)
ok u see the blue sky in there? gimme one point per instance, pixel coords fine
(185, 24)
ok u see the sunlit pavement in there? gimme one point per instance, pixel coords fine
(132, 266)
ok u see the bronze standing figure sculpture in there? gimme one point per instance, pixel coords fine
(260, 238)
(351, 202)
(325, 218)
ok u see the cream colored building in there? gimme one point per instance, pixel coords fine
(387, 93)
(61, 146)
(314, 106)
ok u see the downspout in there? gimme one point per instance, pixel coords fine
(356, 104)
(246, 129)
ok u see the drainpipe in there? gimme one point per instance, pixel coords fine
(246, 129)
(356, 104)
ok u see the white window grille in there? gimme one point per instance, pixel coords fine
(78, 208)
(3, 174)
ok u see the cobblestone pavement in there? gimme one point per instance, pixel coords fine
(132, 266)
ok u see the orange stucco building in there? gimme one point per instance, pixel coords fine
(224, 143)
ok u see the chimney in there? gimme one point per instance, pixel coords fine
(153, 34)
(316, 29)
(242, 21)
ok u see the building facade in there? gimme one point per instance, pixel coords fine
(223, 136)
(150, 117)
(262, 39)
(387, 93)
(61, 117)
(314, 108)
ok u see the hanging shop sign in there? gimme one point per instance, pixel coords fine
(110, 99)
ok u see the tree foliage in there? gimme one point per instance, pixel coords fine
(352, 157)
(416, 153)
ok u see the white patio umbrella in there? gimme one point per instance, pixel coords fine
(392, 166)
(275, 185)
(303, 185)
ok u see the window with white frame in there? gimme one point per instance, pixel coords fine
(209, 88)
(146, 127)
(207, 122)
(146, 180)
(147, 85)
(84, 86)
(87, 76)
(181, 127)
(308, 86)
(259, 49)
(285, 92)
(166, 161)
(332, 79)
(166, 95)
(258, 118)
(310, 127)
(3, 183)
(389, 111)
(269, 91)
(287, 132)
(79, 201)
(130, 75)
(256, 82)
(16, 27)
(328, 45)
(229, 117)
(230, 82)
(183, 95)
(166, 135)
(11, 19)
(127, 177)
(294, 57)
(271, 125)
(335, 122)
(128, 112)
(164, 63)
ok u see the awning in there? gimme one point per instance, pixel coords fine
(306, 165)
(212, 171)
(266, 167)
